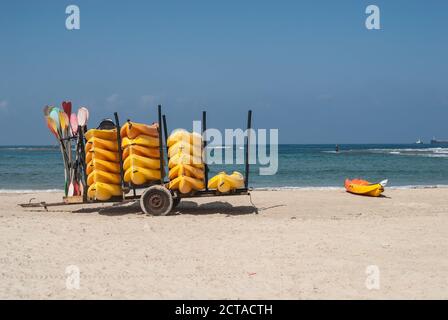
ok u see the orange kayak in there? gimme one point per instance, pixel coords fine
(133, 129)
(365, 188)
(141, 151)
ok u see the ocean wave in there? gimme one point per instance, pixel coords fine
(29, 148)
(438, 152)
(296, 188)
(218, 147)
(24, 191)
(323, 188)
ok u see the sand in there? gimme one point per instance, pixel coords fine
(302, 244)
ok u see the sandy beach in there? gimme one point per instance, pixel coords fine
(302, 244)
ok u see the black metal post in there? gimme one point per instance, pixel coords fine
(249, 126)
(204, 145)
(162, 171)
(120, 151)
(165, 130)
(82, 152)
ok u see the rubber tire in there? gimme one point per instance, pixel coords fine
(176, 202)
(157, 201)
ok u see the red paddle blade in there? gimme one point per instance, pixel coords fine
(76, 186)
(67, 106)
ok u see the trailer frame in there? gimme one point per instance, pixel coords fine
(156, 198)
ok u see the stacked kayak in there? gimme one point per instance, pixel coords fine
(226, 183)
(364, 187)
(103, 167)
(141, 155)
(186, 168)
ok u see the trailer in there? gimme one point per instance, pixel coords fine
(156, 199)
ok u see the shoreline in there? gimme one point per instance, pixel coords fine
(302, 244)
(287, 188)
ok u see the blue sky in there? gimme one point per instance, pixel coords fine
(309, 68)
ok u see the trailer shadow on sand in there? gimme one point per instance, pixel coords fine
(184, 208)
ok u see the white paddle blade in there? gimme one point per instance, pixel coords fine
(71, 190)
(83, 116)
(384, 182)
(87, 114)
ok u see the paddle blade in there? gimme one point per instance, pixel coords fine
(74, 123)
(80, 189)
(71, 190)
(67, 106)
(54, 114)
(52, 126)
(76, 186)
(63, 120)
(47, 110)
(87, 115)
(83, 116)
(384, 183)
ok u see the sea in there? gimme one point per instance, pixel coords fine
(31, 168)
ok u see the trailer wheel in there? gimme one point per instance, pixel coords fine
(156, 200)
(176, 202)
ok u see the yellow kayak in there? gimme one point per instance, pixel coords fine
(94, 142)
(186, 184)
(141, 151)
(139, 176)
(141, 162)
(184, 147)
(363, 187)
(183, 158)
(133, 129)
(103, 176)
(145, 141)
(183, 135)
(103, 165)
(103, 191)
(102, 134)
(98, 153)
(226, 183)
(187, 170)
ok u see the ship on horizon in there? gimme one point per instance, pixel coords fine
(435, 141)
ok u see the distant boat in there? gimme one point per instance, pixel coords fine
(435, 141)
(419, 141)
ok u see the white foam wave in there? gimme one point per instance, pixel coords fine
(218, 147)
(438, 152)
(296, 188)
(323, 188)
(23, 191)
(29, 148)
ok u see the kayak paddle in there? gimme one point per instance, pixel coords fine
(67, 106)
(47, 110)
(83, 116)
(74, 123)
